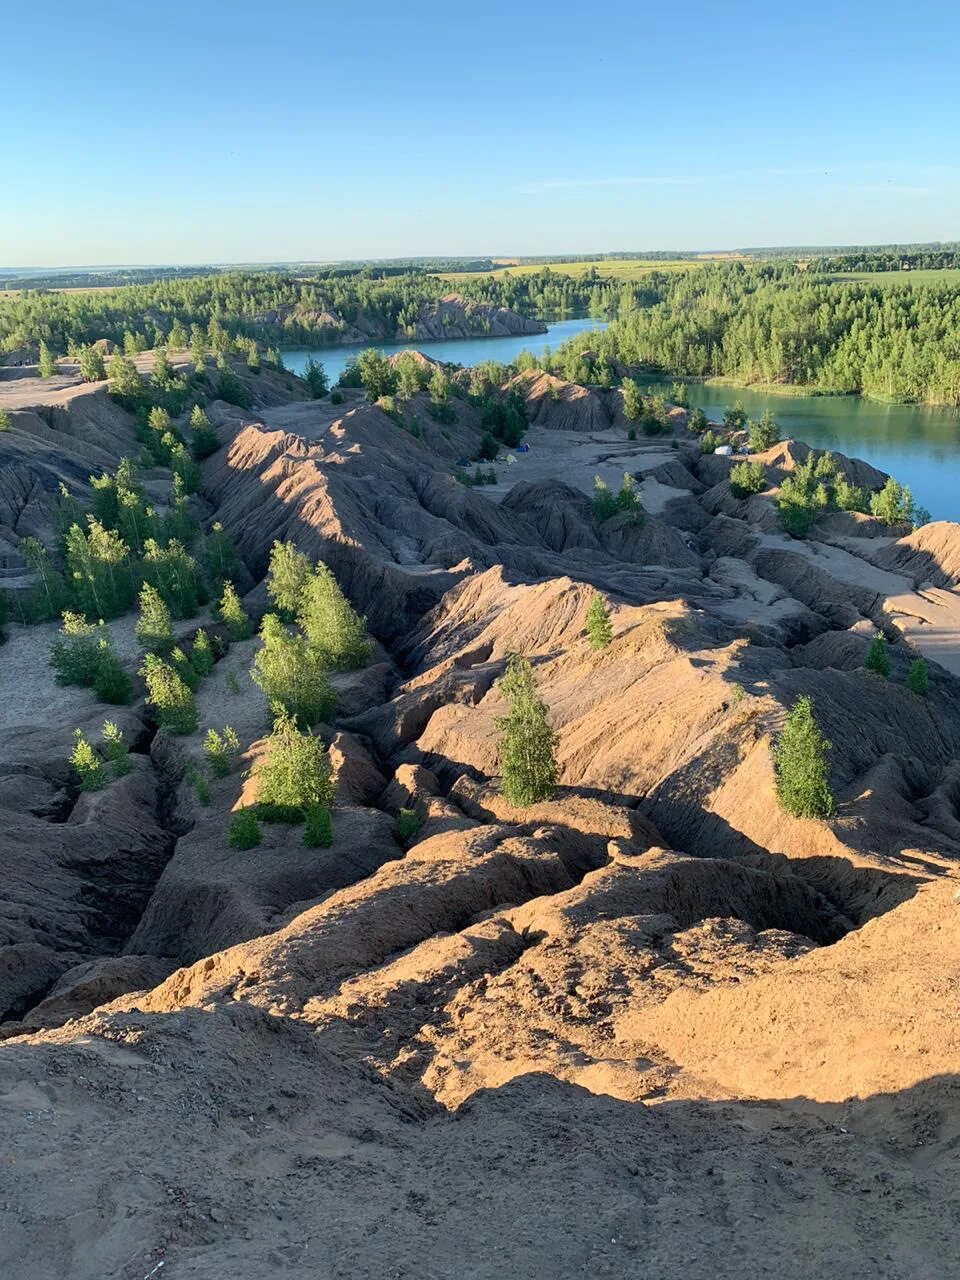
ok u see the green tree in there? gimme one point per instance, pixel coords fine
(599, 629)
(376, 374)
(75, 650)
(154, 628)
(287, 575)
(800, 762)
(98, 567)
(527, 745)
(201, 655)
(632, 400)
(332, 626)
(47, 366)
(315, 377)
(92, 368)
(764, 433)
(86, 764)
(110, 681)
(439, 385)
(292, 674)
(735, 419)
(295, 773)
(893, 504)
(604, 502)
(918, 677)
(746, 478)
(231, 613)
(5, 420)
(203, 438)
(877, 659)
(173, 572)
(123, 381)
(172, 699)
(48, 596)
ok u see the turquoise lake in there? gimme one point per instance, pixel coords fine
(918, 445)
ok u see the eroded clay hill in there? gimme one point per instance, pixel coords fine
(652, 1027)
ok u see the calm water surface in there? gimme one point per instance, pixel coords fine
(918, 445)
(465, 351)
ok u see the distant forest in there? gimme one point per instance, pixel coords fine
(281, 309)
(773, 323)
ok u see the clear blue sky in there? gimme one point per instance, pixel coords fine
(304, 129)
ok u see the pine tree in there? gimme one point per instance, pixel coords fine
(316, 378)
(877, 659)
(87, 765)
(599, 630)
(154, 628)
(231, 613)
(287, 575)
(92, 368)
(800, 761)
(918, 678)
(632, 400)
(123, 381)
(527, 745)
(46, 365)
(331, 624)
(764, 433)
(203, 438)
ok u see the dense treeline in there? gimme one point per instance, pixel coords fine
(274, 308)
(925, 258)
(775, 324)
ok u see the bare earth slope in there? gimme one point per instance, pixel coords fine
(652, 1027)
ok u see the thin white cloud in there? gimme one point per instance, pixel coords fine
(576, 184)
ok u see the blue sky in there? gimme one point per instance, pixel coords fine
(204, 132)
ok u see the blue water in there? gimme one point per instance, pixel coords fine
(917, 444)
(465, 351)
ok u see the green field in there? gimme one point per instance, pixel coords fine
(949, 275)
(614, 268)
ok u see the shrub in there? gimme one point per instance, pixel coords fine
(292, 674)
(287, 575)
(627, 500)
(233, 684)
(184, 668)
(87, 765)
(800, 761)
(332, 626)
(92, 368)
(317, 827)
(877, 659)
(408, 824)
(172, 699)
(746, 478)
(710, 441)
(315, 377)
(894, 504)
(116, 749)
(336, 397)
(735, 419)
(201, 787)
(849, 497)
(918, 679)
(697, 421)
(201, 655)
(111, 683)
(244, 831)
(76, 650)
(488, 447)
(4, 420)
(527, 745)
(230, 388)
(221, 750)
(599, 630)
(154, 628)
(295, 774)
(604, 502)
(231, 613)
